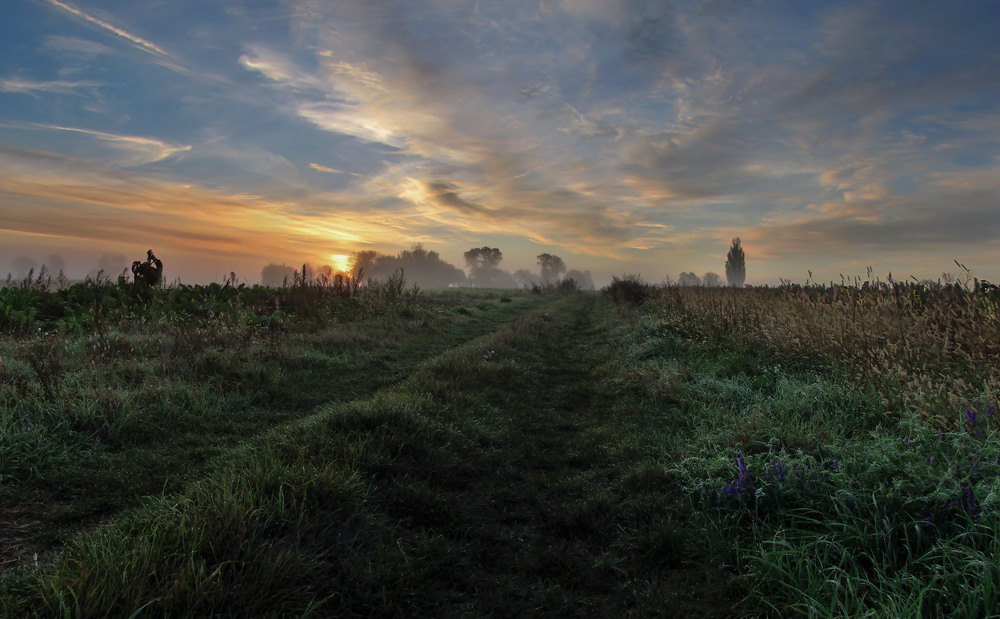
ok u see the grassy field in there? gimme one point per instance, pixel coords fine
(648, 451)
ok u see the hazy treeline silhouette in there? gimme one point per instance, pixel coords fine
(736, 270)
(709, 280)
(110, 265)
(426, 269)
(485, 272)
(420, 266)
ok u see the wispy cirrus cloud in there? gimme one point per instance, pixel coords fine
(133, 39)
(62, 197)
(322, 168)
(161, 56)
(74, 46)
(128, 150)
(34, 87)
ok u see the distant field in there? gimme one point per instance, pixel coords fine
(376, 451)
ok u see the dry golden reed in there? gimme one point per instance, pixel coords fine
(930, 348)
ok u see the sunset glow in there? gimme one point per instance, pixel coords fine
(621, 135)
(341, 263)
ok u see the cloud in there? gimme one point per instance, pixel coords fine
(30, 87)
(162, 57)
(350, 121)
(73, 202)
(444, 194)
(907, 225)
(130, 149)
(74, 46)
(136, 41)
(615, 128)
(278, 67)
(323, 168)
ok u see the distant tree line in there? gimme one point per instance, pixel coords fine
(426, 269)
(484, 271)
(736, 270)
(108, 265)
(420, 266)
(708, 280)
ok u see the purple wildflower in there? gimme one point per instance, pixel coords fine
(991, 409)
(971, 415)
(906, 443)
(781, 471)
(729, 490)
(744, 480)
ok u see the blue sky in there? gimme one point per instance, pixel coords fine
(623, 135)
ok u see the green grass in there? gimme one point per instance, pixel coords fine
(871, 513)
(481, 454)
(89, 424)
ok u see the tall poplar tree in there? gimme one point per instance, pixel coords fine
(736, 265)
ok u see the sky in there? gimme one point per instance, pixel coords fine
(626, 136)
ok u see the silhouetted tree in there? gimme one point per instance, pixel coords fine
(480, 258)
(420, 266)
(275, 275)
(711, 280)
(552, 267)
(364, 261)
(148, 273)
(484, 263)
(736, 266)
(689, 279)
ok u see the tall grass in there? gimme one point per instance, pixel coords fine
(844, 440)
(930, 349)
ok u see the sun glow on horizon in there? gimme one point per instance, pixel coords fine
(341, 263)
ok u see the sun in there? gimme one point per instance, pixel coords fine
(341, 263)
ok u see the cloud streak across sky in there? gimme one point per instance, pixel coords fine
(635, 135)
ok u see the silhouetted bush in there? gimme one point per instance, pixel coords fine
(628, 289)
(568, 285)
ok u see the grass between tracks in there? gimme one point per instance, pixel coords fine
(92, 422)
(585, 459)
(497, 479)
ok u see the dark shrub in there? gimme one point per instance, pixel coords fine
(628, 289)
